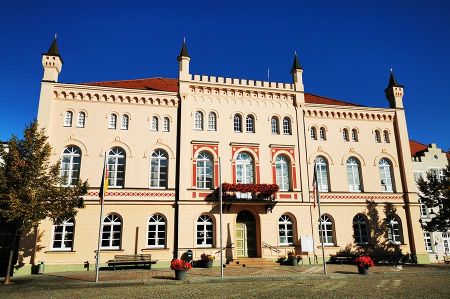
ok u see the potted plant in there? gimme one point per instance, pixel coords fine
(281, 259)
(180, 267)
(207, 260)
(364, 263)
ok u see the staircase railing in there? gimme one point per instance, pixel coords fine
(265, 245)
(226, 247)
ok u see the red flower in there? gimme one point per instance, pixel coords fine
(266, 189)
(364, 262)
(179, 265)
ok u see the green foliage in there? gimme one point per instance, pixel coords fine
(30, 186)
(435, 194)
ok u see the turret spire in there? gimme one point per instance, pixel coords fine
(296, 64)
(184, 50)
(53, 50)
(392, 81)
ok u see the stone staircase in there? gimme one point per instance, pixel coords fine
(250, 262)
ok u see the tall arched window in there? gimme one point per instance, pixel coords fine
(386, 136)
(125, 122)
(326, 225)
(377, 136)
(68, 116)
(111, 232)
(322, 174)
(166, 124)
(244, 169)
(394, 229)
(237, 123)
(81, 119)
(63, 235)
(112, 121)
(285, 230)
(205, 171)
(158, 169)
(345, 134)
(322, 134)
(287, 126)
(198, 120)
(156, 235)
(313, 133)
(250, 124)
(385, 175)
(354, 135)
(212, 121)
(353, 175)
(282, 172)
(204, 231)
(155, 123)
(116, 167)
(274, 125)
(360, 232)
(70, 165)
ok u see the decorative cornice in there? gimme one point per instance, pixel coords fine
(360, 114)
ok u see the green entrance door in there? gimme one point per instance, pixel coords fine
(245, 235)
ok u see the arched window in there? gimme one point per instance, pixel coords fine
(112, 121)
(212, 121)
(360, 232)
(322, 174)
(116, 167)
(158, 169)
(198, 120)
(155, 123)
(322, 134)
(63, 235)
(68, 116)
(385, 175)
(287, 126)
(156, 235)
(282, 172)
(353, 175)
(204, 231)
(244, 169)
(125, 121)
(386, 136)
(205, 170)
(166, 124)
(81, 120)
(274, 125)
(111, 232)
(70, 165)
(250, 124)
(313, 133)
(285, 230)
(394, 229)
(354, 135)
(326, 225)
(237, 123)
(377, 136)
(345, 134)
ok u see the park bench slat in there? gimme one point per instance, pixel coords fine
(131, 259)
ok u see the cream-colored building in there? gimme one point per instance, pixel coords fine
(427, 158)
(169, 142)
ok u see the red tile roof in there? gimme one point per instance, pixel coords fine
(161, 84)
(170, 84)
(417, 147)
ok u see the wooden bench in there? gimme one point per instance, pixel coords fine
(130, 260)
(446, 259)
(342, 259)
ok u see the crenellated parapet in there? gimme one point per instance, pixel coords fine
(349, 112)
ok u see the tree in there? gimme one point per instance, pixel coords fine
(31, 187)
(435, 194)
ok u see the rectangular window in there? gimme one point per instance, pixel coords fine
(428, 243)
(446, 241)
(63, 236)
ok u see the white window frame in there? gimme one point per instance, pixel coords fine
(158, 223)
(428, 241)
(322, 174)
(394, 230)
(212, 121)
(327, 224)
(353, 175)
(250, 124)
(81, 120)
(166, 124)
(114, 155)
(63, 234)
(204, 177)
(345, 135)
(287, 128)
(359, 227)
(198, 120)
(245, 170)
(125, 122)
(112, 124)
(73, 170)
(68, 118)
(207, 226)
(285, 226)
(274, 125)
(377, 136)
(386, 178)
(354, 135)
(282, 169)
(114, 222)
(155, 123)
(423, 209)
(446, 241)
(322, 134)
(313, 133)
(160, 156)
(237, 123)
(386, 136)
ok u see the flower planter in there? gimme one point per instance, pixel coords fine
(363, 270)
(207, 264)
(180, 274)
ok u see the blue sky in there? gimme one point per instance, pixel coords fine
(345, 47)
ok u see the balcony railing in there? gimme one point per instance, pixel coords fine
(265, 192)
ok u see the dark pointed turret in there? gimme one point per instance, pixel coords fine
(392, 81)
(394, 92)
(52, 63)
(53, 50)
(184, 50)
(296, 64)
